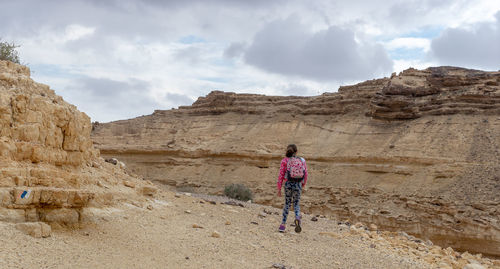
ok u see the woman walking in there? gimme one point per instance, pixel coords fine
(293, 171)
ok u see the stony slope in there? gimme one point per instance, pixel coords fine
(417, 152)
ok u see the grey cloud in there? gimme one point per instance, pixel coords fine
(106, 99)
(476, 47)
(235, 49)
(404, 12)
(287, 47)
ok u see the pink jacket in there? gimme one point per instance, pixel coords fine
(281, 177)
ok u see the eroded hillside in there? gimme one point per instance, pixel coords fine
(417, 152)
(49, 170)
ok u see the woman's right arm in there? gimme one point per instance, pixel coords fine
(281, 175)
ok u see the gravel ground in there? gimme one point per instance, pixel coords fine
(133, 236)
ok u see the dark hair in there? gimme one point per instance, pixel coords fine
(291, 150)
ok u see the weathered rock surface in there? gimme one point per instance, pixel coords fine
(49, 168)
(417, 152)
(35, 229)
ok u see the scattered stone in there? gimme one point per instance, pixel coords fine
(474, 266)
(129, 184)
(121, 165)
(35, 229)
(136, 204)
(148, 190)
(187, 258)
(262, 215)
(359, 225)
(177, 195)
(96, 164)
(373, 246)
(187, 211)
(196, 226)
(373, 227)
(279, 266)
(253, 222)
(233, 203)
(111, 161)
(267, 211)
(201, 202)
(314, 219)
(86, 233)
(150, 207)
(215, 234)
(228, 222)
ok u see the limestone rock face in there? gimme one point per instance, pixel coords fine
(417, 152)
(46, 155)
(438, 91)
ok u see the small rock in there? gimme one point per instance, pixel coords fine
(279, 266)
(359, 225)
(86, 233)
(314, 219)
(178, 195)
(228, 222)
(474, 266)
(215, 234)
(136, 204)
(129, 184)
(253, 222)
(187, 211)
(267, 211)
(148, 190)
(373, 246)
(262, 215)
(121, 165)
(112, 161)
(196, 226)
(35, 229)
(373, 227)
(187, 258)
(150, 207)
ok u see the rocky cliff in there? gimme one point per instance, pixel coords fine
(417, 152)
(49, 169)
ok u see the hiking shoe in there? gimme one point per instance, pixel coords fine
(282, 228)
(298, 229)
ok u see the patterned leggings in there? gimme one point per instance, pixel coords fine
(292, 193)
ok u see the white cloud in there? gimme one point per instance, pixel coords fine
(409, 43)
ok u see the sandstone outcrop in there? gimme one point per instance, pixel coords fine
(48, 165)
(417, 152)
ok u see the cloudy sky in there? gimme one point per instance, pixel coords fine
(118, 59)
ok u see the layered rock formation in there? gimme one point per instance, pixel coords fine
(49, 169)
(417, 152)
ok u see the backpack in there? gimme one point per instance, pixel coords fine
(295, 168)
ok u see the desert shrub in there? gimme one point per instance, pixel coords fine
(8, 52)
(238, 191)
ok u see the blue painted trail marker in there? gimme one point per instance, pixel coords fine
(25, 194)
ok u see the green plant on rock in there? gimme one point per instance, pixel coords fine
(8, 52)
(238, 191)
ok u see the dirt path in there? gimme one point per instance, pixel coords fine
(133, 236)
